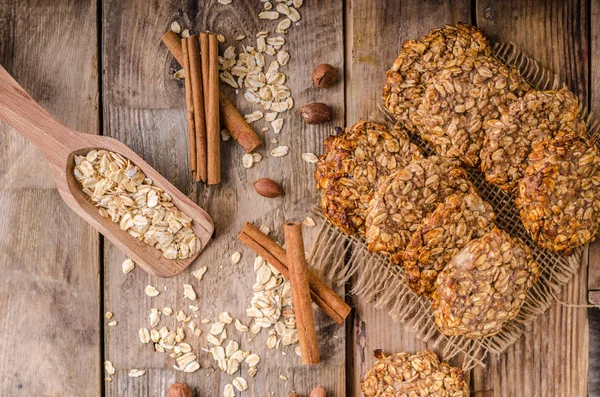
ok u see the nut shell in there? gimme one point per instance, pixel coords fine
(483, 286)
(324, 75)
(180, 390)
(318, 391)
(316, 113)
(268, 188)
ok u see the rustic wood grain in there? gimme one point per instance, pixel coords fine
(551, 359)
(373, 38)
(49, 257)
(144, 107)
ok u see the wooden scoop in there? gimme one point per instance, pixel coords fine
(60, 144)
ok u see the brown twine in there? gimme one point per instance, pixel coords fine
(376, 280)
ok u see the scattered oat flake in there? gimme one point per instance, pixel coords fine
(254, 116)
(188, 292)
(108, 379)
(108, 315)
(228, 391)
(252, 360)
(247, 160)
(167, 311)
(310, 158)
(151, 291)
(283, 378)
(225, 318)
(239, 326)
(240, 383)
(199, 273)
(185, 33)
(269, 15)
(264, 228)
(112, 324)
(236, 257)
(257, 157)
(144, 335)
(280, 151)
(175, 27)
(110, 369)
(310, 222)
(135, 373)
(240, 37)
(221, 38)
(274, 141)
(128, 265)
(180, 74)
(225, 2)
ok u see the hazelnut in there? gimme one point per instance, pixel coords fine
(316, 113)
(318, 391)
(180, 390)
(267, 188)
(324, 75)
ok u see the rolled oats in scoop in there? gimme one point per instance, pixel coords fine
(559, 195)
(413, 375)
(123, 193)
(453, 224)
(352, 166)
(535, 117)
(406, 197)
(420, 60)
(483, 286)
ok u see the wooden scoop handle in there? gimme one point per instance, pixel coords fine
(21, 112)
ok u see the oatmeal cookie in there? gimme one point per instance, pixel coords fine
(460, 100)
(483, 286)
(419, 60)
(559, 195)
(453, 224)
(352, 165)
(406, 197)
(411, 375)
(535, 117)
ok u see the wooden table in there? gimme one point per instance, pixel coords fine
(99, 67)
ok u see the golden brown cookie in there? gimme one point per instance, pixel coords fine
(460, 100)
(559, 195)
(413, 375)
(453, 224)
(353, 164)
(419, 60)
(406, 197)
(535, 117)
(483, 286)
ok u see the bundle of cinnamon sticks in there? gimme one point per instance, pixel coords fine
(306, 286)
(206, 106)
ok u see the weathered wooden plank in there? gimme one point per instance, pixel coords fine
(49, 256)
(145, 108)
(373, 37)
(594, 251)
(551, 359)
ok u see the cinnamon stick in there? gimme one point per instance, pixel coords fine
(321, 294)
(241, 131)
(305, 320)
(193, 44)
(189, 105)
(173, 43)
(205, 61)
(237, 125)
(213, 132)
